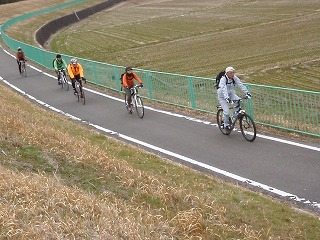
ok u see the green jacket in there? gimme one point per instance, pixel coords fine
(59, 64)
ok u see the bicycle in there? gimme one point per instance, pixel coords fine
(246, 122)
(80, 91)
(63, 79)
(23, 68)
(136, 101)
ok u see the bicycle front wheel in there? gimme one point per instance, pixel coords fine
(82, 96)
(248, 127)
(220, 122)
(77, 87)
(23, 70)
(139, 106)
(64, 82)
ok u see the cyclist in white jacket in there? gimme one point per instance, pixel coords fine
(227, 93)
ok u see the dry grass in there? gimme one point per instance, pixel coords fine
(272, 43)
(18, 8)
(63, 181)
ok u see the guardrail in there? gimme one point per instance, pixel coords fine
(284, 108)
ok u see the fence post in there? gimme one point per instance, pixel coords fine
(249, 107)
(149, 84)
(191, 93)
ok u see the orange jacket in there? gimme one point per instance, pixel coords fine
(77, 70)
(127, 80)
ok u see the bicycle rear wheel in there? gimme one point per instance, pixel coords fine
(220, 122)
(248, 127)
(23, 69)
(139, 106)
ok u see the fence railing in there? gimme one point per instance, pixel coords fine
(289, 109)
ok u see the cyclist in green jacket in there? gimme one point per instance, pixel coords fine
(58, 64)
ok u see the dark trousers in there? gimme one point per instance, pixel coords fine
(128, 93)
(76, 78)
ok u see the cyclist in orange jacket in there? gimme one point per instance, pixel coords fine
(20, 57)
(127, 81)
(75, 71)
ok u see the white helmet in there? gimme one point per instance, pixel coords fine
(74, 61)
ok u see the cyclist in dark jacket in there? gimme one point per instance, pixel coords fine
(20, 57)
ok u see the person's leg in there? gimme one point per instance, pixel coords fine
(77, 78)
(128, 94)
(19, 66)
(73, 83)
(226, 111)
(235, 97)
(58, 76)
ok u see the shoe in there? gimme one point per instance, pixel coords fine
(59, 82)
(129, 109)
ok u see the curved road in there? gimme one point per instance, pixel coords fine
(286, 169)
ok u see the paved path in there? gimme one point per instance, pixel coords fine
(288, 168)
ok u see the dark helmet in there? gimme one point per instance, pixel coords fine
(58, 56)
(128, 69)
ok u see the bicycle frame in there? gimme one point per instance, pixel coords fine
(136, 102)
(23, 66)
(62, 72)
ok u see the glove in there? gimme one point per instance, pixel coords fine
(228, 100)
(72, 79)
(84, 79)
(249, 95)
(141, 85)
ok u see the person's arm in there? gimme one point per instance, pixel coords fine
(136, 77)
(240, 85)
(24, 56)
(70, 72)
(55, 65)
(223, 87)
(81, 70)
(124, 80)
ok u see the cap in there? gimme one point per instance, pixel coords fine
(128, 69)
(58, 56)
(230, 69)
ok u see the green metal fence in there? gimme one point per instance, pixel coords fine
(290, 109)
